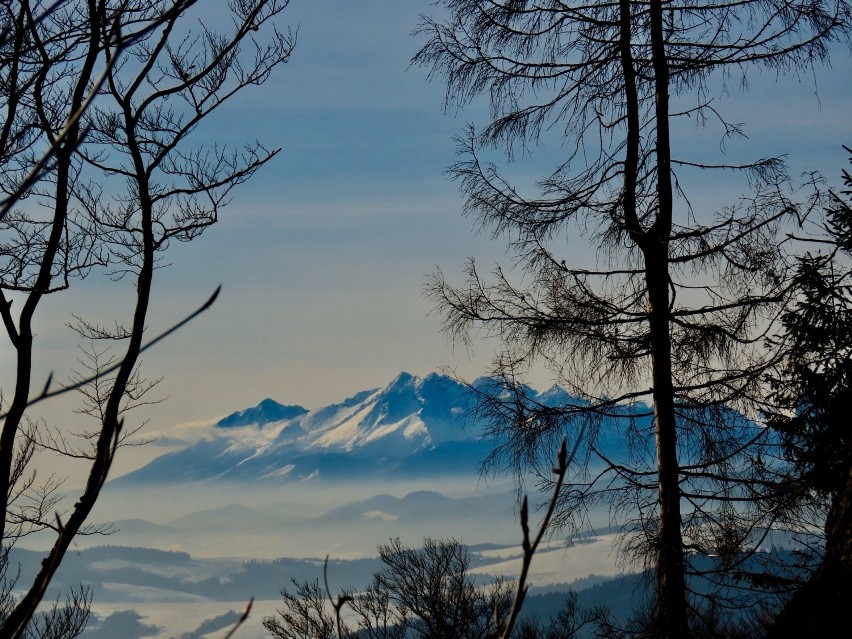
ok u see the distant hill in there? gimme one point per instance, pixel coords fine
(424, 505)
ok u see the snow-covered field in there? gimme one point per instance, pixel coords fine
(177, 613)
(555, 564)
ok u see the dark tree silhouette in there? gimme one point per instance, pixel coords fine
(101, 173)
(425, 592)
(434, 587)
(61, 620)
(675, 307)
(815, 393)
(304, 614)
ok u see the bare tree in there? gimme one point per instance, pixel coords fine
(304, 614)
(425, 592)
(432, 585)
(62, 620)
(675, 307)
(101, 173)
(568, 623)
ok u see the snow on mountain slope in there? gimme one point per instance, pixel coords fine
(372, 432)
(267, 411)
(409, 414)
(415, 426)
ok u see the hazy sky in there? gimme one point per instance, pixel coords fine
(322, 256)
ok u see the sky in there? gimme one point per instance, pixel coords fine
(322, 256)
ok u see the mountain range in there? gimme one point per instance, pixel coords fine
(413, 427)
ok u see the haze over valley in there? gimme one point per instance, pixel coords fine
(207, 524)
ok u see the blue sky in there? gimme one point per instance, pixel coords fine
(322, 255)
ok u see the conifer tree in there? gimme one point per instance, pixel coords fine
(814, 394)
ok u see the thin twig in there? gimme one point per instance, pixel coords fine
(338, 603)
(504, 629)
(47, 393)
(241, 620)
(41, 167)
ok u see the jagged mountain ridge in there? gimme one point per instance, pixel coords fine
(266, 411)
(415, 426)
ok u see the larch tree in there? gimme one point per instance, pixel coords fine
(101, 172)
(674, 308)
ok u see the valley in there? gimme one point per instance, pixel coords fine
(236, 507)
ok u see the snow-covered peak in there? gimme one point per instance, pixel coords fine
(412, 425)
(402, 381)
(267, 411)
(554, 396)
(409, 413)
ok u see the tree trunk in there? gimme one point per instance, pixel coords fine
(671, 582)
(820, 607)
(671, 618)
